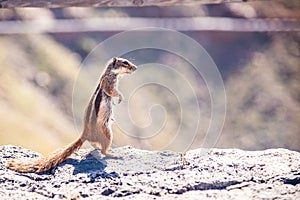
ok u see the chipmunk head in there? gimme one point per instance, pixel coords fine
(121, 66)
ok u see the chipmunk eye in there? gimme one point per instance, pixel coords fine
(125, 63)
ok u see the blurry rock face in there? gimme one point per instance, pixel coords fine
(139, 174)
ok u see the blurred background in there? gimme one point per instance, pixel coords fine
(256, 47)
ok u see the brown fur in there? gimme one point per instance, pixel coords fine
(96, 123)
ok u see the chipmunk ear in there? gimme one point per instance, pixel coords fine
(114, 61)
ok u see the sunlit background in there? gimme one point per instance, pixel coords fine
(256, 47)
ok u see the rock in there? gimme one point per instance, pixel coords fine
(140, 174)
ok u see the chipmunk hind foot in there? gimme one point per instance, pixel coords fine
(109, 154)
(103, 151)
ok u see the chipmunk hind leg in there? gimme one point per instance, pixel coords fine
(102, 140)
(106, 141)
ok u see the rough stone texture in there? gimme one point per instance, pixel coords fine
(139, 174)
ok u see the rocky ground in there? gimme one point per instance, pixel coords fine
(139, 174)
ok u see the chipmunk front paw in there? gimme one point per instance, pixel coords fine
(120, 99)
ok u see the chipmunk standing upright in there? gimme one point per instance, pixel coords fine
(96, 123)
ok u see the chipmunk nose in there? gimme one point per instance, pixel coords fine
(133, 68)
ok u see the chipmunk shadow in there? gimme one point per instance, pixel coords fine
(91, 163)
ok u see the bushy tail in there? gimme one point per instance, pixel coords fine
(45, 163)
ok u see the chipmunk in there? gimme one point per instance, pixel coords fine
(96, 123)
